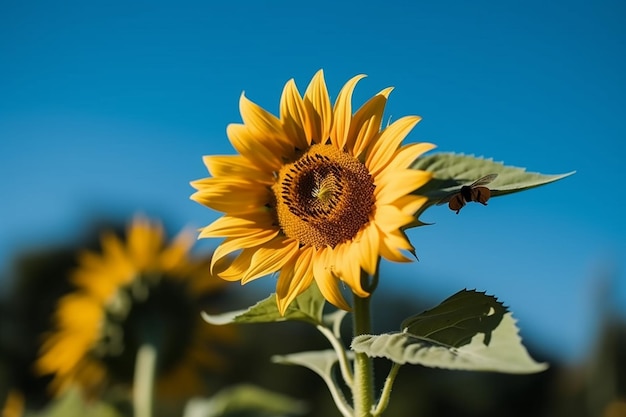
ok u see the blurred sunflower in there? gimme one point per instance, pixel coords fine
(135, 292)
(318, 193)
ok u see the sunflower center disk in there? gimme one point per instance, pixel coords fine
(324, 198)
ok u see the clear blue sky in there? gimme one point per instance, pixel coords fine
(106, 108)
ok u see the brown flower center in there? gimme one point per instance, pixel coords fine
(324, 198)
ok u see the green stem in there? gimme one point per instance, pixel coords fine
(363, 387)
(386, 393)
(143, 389)
(342, 356)
(338, 397)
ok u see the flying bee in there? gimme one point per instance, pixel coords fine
(473, 192)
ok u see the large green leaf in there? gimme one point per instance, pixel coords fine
(458, 319)
(451, 171)
(468, 331)
(308, 307)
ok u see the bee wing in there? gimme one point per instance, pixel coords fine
(481, 181)
(484, 180)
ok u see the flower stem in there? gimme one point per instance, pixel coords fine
(143, 390)
(338, 397)
(363, 387)
(344, 363)
(383, 402)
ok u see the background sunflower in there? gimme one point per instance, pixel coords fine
(132, 292)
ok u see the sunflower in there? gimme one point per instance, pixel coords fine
(319, 193)
(135, 292)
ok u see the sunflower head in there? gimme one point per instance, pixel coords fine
(317, 194)
(135, 291)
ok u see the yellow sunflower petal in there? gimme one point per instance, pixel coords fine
(345, 265)
(89, 259)
(232, 244)
(346, 260)
(79, 312)
(270, 258)
(144, 241)
(391, 253)
(175, 254)
(389, 141)
(410, 204)
(365, 125)
(392, 245)
(90, 279)
(217, 193)
(318, 109)
(406, 155)
(393, 186)
(14, 404)
(326, 280)
(265, 154)
(112, 246)
(238, 266)
(62, 352)
(368, 248)
(390, 218)
(293, 115)
(235, 166)
(238, 226)
(261, 123)
(295, 277)
(343, 113)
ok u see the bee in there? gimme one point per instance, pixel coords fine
(473, 192)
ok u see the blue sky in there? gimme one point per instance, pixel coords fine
(106, 109)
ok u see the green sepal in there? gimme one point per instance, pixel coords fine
(468, 331)
(307, 307)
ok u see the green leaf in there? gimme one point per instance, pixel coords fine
(73, 404)
(458, 319)
(308, 307)
(468, 331)
(245, 400)
(321, 362)
(333, 321)
(451, 171)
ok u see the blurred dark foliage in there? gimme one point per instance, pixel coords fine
(27, 315)
(596, 387)
(37, 279)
